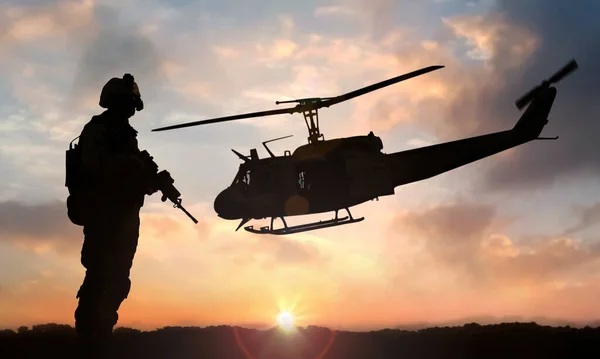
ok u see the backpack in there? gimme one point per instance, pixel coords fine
(78, 204)
(74, 183)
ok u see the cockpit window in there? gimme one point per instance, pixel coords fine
(257, 180)
(242, 178)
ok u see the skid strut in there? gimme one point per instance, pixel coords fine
(336, 221)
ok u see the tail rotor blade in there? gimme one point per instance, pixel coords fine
(559, 75)
(525, 99)
(566, 70)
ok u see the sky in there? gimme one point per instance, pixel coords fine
(514, 235)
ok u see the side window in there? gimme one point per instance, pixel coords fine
(246, 178)
(301, 180)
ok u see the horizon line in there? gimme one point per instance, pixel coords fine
(595, 323)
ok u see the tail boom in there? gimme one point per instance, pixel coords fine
(426, 162)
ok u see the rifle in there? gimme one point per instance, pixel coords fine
(164, 182)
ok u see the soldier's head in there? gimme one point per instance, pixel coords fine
(122, 95)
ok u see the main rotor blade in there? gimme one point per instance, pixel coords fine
(377, 86)
(299, 108)
(229, 118)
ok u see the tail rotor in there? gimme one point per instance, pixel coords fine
(559, 75)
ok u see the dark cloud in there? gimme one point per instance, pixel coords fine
(47, 225)
(112, 48)
(114, 45)
(565, 30)
(38, 224)
(587, 217)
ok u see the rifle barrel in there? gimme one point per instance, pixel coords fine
(187, 213)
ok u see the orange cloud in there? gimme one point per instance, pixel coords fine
(492, 36)
(25, 24)
(466, 240)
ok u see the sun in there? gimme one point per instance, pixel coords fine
(285, 320)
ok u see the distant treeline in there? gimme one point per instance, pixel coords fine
(508, 340)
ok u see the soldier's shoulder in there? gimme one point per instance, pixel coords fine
(94, 127)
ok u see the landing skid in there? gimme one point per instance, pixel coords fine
(305, 227)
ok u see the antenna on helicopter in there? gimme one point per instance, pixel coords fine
(241, 157)
(275, 139)
(309, 106)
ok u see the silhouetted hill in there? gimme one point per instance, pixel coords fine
(508, 340)
(489, 320)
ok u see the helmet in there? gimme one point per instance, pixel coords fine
(117, 87)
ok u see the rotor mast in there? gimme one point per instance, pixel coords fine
(311, 115)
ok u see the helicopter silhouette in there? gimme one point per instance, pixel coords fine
(331, 175)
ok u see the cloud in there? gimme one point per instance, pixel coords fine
(38, 227)
(37, 21)
(465, 244)
(376, 17)
(58, 56)
(90, 43)
(467, 97)
(562, 31)
(248, 250)
(588, 216)
(333, 10)
(292, 252)
(43, 227)
(491, 59)
(450, 233)
(113, 47)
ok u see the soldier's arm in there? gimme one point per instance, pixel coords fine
(98, 161)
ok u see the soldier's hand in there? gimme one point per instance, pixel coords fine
(151, 186)
(151, 190)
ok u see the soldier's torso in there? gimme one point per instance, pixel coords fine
(118, 138)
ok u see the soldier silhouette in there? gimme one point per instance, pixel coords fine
(106, 199)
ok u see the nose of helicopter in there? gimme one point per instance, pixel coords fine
(227, 205)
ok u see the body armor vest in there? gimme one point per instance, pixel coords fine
(84, 188)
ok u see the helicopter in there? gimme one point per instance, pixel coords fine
(335, 174)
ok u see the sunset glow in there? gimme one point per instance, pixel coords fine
(285, 320)
(512, 236)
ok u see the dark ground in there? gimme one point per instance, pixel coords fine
(513, 340)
